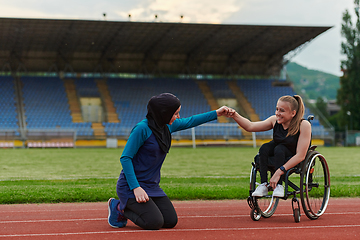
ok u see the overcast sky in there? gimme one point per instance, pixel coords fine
(323, 53)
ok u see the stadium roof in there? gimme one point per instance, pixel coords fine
(44, 45)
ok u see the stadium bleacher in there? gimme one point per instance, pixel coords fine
(46, 105)
(86, 87)
(8, 118)
(220, 89)
(131, 96)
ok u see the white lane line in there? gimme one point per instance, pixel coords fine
(53, 210)
(105, 219)
(53, 220)
(234, 204)
(76, 209)
(179, 230)
(195, 216)
(239, 207)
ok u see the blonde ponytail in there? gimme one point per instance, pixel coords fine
(296, 103)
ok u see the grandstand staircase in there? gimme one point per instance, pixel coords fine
(73, 100)
(110, 110)
(75, 109)
(244, 104)
(205, 89)
(98, 130)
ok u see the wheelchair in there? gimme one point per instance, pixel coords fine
(314, 187)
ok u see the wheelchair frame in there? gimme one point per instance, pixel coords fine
(314, 188)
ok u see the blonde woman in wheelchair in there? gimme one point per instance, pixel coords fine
(289, 146)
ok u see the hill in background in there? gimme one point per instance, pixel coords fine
(313, 83)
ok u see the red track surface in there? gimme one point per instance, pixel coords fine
(197, 220)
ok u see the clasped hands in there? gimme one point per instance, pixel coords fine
(225, 111)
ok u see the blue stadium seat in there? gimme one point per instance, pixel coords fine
(130, 97)
(9, 116)
(86, 87)
(46, 105)
(219, 88)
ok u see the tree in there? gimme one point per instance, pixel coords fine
(348, 96)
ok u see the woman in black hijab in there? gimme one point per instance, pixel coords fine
(161, 108)
(141, 198)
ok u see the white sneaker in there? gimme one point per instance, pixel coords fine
(261, 190)
(278, 191)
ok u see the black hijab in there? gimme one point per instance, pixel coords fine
(161, 108)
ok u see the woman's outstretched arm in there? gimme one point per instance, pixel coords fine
(250, 126)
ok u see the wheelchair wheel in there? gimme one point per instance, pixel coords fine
(255, 216)
(267, 205)
(296, 214)
(315, 185)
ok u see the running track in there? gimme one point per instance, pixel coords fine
(227, 219)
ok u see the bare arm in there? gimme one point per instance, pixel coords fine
(259, 126)
(301, 150)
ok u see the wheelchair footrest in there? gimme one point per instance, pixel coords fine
(250, 202)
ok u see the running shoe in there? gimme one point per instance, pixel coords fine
(116, 218)
(261, 190)
(279, 191)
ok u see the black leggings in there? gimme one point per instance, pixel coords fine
(156, 213)
(279, 156)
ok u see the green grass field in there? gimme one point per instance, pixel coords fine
(86, 175)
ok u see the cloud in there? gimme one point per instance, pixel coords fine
(15, 11)
(42, 9)
(200, 11)
(285, 12)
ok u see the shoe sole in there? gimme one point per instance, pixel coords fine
(278, 196)
(282, 192)
(266, 194)
(109, 209)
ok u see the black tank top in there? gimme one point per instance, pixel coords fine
(279, 137)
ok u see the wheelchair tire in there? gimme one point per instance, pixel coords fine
(267, 205)
(296, 213)
(255, 216)
(314, 185)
